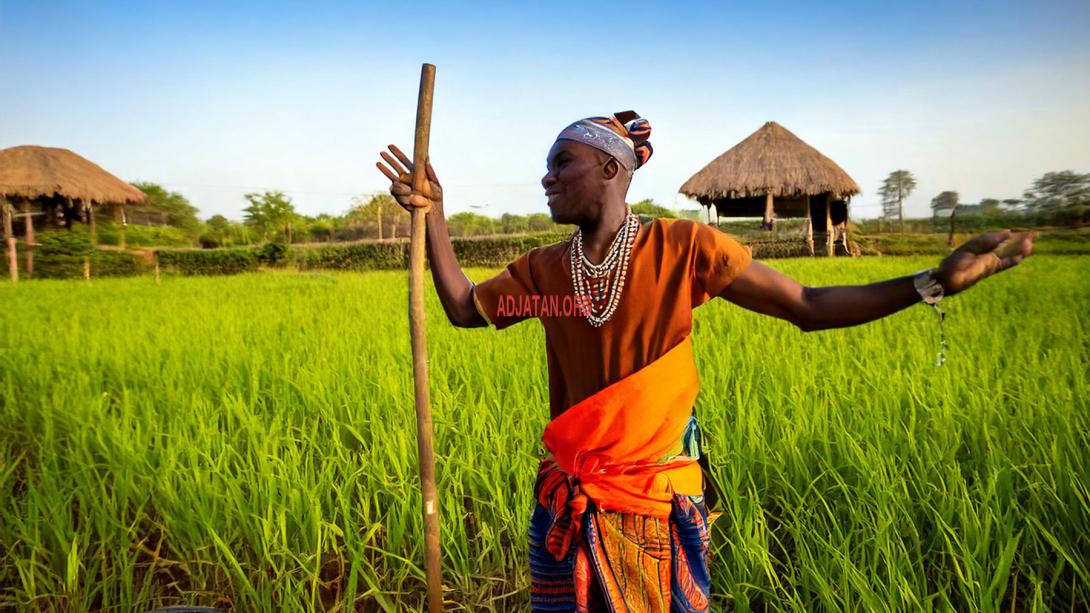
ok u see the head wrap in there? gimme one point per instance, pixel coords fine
(623, 135)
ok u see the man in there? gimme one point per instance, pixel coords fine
(620, 522)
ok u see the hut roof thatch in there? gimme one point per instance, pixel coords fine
(32, 172)
(772, 159)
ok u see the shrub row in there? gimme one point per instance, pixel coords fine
(769, 249)
(490, 252)
(73, 243)
(61, 258)
(494, 252)
(209, 261)
(353, 256)
(103, 264)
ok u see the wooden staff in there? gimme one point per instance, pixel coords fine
(425, 448)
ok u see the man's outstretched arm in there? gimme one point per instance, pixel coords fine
(453, 286)
(765, 290)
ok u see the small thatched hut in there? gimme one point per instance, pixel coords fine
(774, 174)
(58, 184)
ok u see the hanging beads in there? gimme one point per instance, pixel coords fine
(598, 287)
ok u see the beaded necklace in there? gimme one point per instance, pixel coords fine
(598, 287)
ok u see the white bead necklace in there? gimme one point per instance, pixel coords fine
(594, 283)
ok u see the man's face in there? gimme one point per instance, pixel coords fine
(575, 181)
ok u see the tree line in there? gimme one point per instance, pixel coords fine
(1055, 198)
(271, 216)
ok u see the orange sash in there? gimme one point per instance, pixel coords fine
(621, 447)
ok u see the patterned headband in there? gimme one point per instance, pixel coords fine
(623, 135)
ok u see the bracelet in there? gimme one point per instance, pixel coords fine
(928, 286)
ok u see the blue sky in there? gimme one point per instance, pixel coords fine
(218, 99)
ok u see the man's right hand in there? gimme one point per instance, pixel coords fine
(399, 172)
(453, 286)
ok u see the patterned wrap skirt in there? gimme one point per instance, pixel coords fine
(623, 562)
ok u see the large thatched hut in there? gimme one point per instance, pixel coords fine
(59, 185)
(774, 174)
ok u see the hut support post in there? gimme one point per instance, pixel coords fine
(91, 221)
(29, 221)
(844, 234)
(121, 235)
(809, 230)
(9, 238)
(768, 221)
(829, 224)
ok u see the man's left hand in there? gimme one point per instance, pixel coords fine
(980, 257)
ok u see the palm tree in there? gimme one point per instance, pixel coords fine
(897, 186)
(947, 201)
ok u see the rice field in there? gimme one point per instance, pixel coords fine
(248, 443)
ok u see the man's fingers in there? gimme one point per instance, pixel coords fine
(1017, 244)
(391, 175)
(399, 172)
(1021, 250)
(1027, 244)
(987, 242)
(1005, 263)
(401, 156)
(420, 201)
(1021, 247)
(398, 168)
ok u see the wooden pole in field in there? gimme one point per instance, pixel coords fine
(424, 445)
(809, 228)
(28, 220)
(9, 238)
(124, 222)
(829, 224)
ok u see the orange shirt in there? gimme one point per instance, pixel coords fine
(676, 265)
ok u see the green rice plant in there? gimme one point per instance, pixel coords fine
(248, 442)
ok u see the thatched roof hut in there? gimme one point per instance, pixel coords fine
(29, 172)
(774, 174)
(59, 185)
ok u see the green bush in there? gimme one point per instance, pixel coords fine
(648, 209)
(103, 264)
(489, 252)
(60, 255)
(354, 256)
(496, 251)
(118, 264)
(58, 266)
(769, 249)
(208, 261)
(273, 254)
(75, 242)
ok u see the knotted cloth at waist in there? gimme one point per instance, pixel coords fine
(621, 448)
